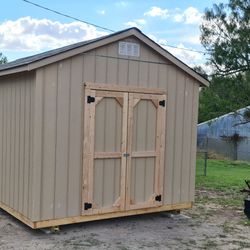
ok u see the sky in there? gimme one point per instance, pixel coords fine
(27, 30)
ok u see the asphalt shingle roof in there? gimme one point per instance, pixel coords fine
(30, 59)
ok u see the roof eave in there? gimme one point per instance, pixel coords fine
(14, 70)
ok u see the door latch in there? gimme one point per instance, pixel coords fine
(126, 155)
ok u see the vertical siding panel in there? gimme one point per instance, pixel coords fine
(170, 134)
(193, 140)
(16, 156)
(163, 77)
(89, 67)
(22, 145)
(176, 192)
(8, 144)
(62, 143)
(49, 143)
(101, 65)
(133, 68)
(12, 146)
(5, 99)
(153, 74)
(187, 124)
(37, 160)
(123, 72)
(75, 138)
(1, 140)
(26, 146)
(13, 139)
(109, 145)
(112, 64)
(31, 137)
(143, 68)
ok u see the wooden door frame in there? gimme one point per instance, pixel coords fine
(95, 90)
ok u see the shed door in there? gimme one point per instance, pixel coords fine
(146, 142)
(104, 145)
(123, 151)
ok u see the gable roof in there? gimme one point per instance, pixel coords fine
(45, 58)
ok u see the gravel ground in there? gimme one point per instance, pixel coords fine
(205, 226)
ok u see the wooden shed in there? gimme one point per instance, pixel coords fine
(98, 129)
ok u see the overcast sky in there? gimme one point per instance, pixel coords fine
(26, 30)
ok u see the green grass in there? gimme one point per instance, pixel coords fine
(224, 177)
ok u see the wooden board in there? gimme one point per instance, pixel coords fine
(120, 88)
(85, 218)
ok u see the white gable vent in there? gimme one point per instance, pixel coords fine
(129, 49)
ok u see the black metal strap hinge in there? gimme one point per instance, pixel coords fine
(87, 206)
(158, 198)
(162, 103)
(90, 99)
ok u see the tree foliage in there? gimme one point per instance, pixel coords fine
(225, 94)
(225, 34)
(3, 59)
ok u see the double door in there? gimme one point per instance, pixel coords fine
(123, 158)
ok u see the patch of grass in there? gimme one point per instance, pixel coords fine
(224, 177)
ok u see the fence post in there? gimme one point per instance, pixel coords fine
(205, 163)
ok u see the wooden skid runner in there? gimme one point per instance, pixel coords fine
(85, 218)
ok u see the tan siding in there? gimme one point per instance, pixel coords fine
(58, 140)
(187, 124)
(49, 141)
(112, 64)
(62, 138)
(75, 138)
(38, 146)
(1, 141)
(170, 134)
(16, 136)
(101, 65)
(179, 115)
(193, 140)
(143, 67)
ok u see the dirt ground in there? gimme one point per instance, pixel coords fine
(205, 226)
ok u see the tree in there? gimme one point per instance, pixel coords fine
(225, 94)
(225, 34)
(3, 59)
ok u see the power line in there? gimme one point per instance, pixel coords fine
(101, 27)
(197, 51)
(68, 16)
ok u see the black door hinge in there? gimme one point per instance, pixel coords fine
(162, 103)
(90, 99)
(87, 206)
(158, 198)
